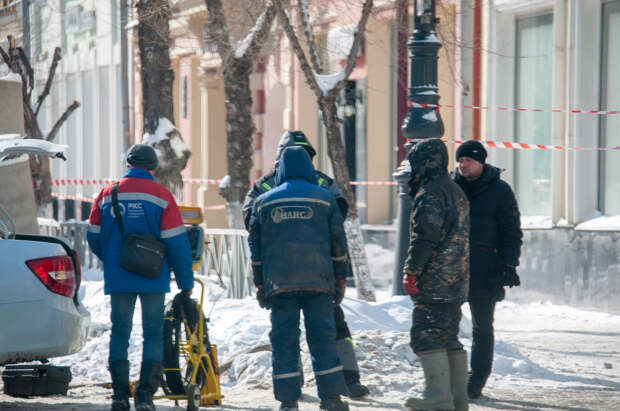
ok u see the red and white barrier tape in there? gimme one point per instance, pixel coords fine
(515, 145)
(71, 197)
(412, 104)
(81, 182)
(215, 207)
(530, 146)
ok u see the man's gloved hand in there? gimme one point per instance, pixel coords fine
(190, 308)
(410, 284)
(510, 277)
(260, 296)
(341, 288)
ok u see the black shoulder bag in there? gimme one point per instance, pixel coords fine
(141, 254)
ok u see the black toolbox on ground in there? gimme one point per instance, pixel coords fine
(25, 380)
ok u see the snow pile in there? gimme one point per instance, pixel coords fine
(163, 131)
(381, 262)
(11, 77)
(240, 329)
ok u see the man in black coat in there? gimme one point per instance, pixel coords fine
(495, 247)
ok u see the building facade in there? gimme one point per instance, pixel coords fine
(550, 62)
(89, 34)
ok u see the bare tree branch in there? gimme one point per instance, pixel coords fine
(217, 29)
(29, 71)
(61, 120)
(304, 18)
(5, 57)
(48, 83)
(303, 61)
(259, 34)
(357, 40)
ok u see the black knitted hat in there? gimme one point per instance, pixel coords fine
(142, 155)
(472, 149)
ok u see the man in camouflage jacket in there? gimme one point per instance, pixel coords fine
(436, 275)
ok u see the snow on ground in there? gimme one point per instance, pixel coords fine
(548, 357)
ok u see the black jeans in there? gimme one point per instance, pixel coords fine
(482, 310)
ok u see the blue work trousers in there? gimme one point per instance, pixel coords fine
(321, 337)
(123, 305)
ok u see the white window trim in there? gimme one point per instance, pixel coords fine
(575, 85)
(500, 72)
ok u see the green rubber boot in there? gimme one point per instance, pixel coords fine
(458, 379)
(437, 394)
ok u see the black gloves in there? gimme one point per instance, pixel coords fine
(261, 298)
(190, 309)
(341, 287)
(510, 277)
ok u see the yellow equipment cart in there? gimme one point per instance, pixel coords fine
(190, 365)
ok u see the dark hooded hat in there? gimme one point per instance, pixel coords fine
(295, 163)
(428, 160)
(294, 138)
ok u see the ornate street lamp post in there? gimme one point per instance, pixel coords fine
(421, 121)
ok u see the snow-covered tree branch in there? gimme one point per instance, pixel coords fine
(326, 88)
(237, 66)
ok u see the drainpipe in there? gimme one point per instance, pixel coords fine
(477, 66)
(402, 60)
(26, 27)
(126, 140)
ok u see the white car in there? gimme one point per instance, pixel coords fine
(40, 312)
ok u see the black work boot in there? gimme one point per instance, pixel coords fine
(289, 406)
(356, 389)
(346, 353)
(333, 404)
(149, 382)
(119, 371)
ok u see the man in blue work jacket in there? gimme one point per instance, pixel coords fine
(146, 207)
(299, 259)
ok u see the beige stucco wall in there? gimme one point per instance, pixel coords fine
(213, 148)
(446, 72)
(378, 118)
(17, 196)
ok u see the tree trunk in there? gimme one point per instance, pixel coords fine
(240, 129)
(353, 229)
(157, 101)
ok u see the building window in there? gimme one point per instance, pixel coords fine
(533, 88)
(184, 96)
(609, 194)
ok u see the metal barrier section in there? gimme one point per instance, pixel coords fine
(226, 253)
(74, 233)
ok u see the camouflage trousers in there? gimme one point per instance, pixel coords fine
(435, 326)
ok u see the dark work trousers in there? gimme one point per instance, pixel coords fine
(321, 337)
(345, 348)
(342, 329)
(435, 326)
(482, 310)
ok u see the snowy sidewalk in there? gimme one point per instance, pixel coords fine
(548, 357)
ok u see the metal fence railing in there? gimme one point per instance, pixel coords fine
(225, 253)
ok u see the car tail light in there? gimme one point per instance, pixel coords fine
(56, 273)
(78, 269)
